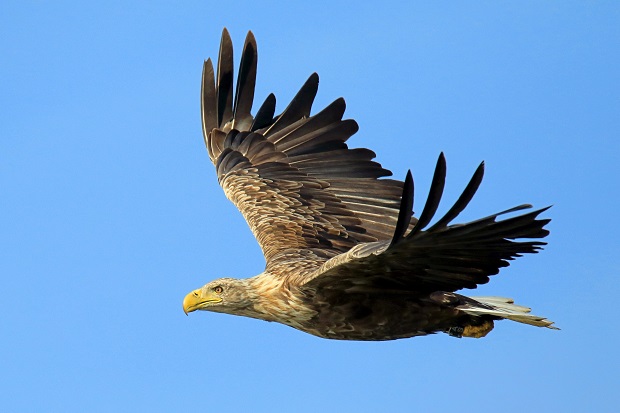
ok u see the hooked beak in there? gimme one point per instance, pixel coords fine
(196, 300)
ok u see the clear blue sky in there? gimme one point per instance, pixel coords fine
(111, 213)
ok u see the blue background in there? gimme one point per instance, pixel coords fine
(110, 211)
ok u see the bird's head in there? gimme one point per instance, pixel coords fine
(224, 295)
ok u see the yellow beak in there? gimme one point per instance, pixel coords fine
(196, 301)
(191, 302)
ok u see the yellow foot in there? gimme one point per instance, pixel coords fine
(479, 330)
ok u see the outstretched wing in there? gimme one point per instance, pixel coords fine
(442, 257)
(304, 193)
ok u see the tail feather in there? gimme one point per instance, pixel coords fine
(505, 308)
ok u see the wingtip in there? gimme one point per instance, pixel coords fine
(441, 161)
(250, 38)
(341, 102)
(314, 78)
(409, 176)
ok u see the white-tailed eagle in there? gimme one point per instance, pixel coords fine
(345, 257)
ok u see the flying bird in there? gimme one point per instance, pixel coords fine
(345, 257)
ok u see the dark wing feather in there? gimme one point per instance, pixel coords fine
(244, 97)
(406, 210)
(264, 115)
(208, 103)
(224, 79)
(442, 257)
(463, 200)
(434, 196)
(300, 106)
(305, 194)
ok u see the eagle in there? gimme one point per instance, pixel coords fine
(345, 257)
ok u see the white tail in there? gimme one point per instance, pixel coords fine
(505, 308)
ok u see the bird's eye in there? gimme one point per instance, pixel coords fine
(218, 290)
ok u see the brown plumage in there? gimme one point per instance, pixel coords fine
(345, 257)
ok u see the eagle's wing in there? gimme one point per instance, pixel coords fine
(442, 257)
(305, 195)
